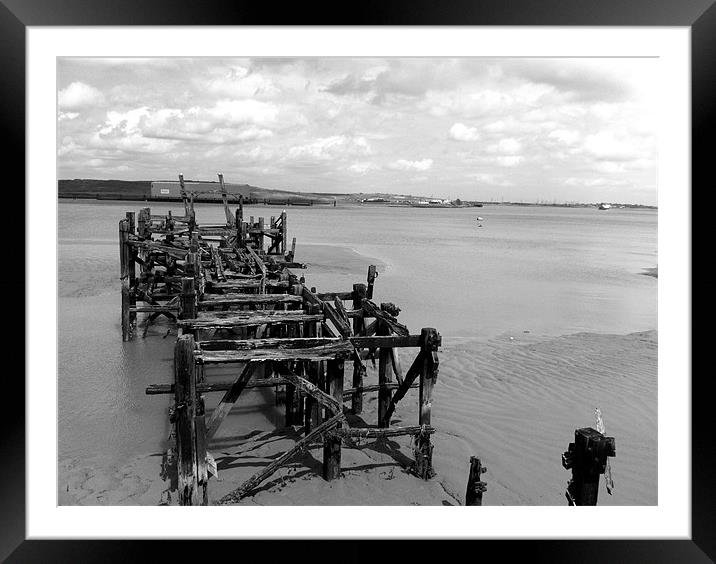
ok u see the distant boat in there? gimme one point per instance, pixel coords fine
(478, 218)
(478, 205)
(604, 206)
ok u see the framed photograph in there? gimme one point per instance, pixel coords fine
(339, 280)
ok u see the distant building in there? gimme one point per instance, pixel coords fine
(171, 190)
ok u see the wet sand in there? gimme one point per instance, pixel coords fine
(513, 401)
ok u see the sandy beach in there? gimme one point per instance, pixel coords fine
(513, 401)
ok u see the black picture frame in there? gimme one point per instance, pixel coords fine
(16, 15)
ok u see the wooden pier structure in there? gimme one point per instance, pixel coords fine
(237, 302)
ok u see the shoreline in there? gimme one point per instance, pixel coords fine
(348, 203)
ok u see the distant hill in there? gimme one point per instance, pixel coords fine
(104, 189)
(87, 188)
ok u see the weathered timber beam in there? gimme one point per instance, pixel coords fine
(375, 432)
(270, 343)
(240, 284)
(376, 387)
(259, 318)
(227, 402)
(154, 309)
(410, 376)
(341, 311)
(341, 350)
(257, 260)
(342, 325)
(159, 389)
(311, 299)
(372, 310)
(259, 477)
(328, 296)
(248, 299)
(312, 390)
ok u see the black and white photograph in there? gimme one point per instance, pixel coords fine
(357, 281)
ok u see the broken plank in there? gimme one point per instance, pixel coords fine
(312, 390)
(227, 402)
(341, 350)
(259, 477)
(375, 432)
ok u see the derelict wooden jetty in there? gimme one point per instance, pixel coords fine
(236, 300)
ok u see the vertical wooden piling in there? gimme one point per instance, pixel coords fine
(331, 440)
(144, 220)
(260, 237)
(385, 377)
(475, 486)
(372, 274)
(359, 293)
(587, 458)
(191, 491)
(188, 298)
(283, 234)
(124, 260)
(132, 266)
(428, 375)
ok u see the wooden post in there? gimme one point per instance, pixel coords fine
(182, 191)
(332, 440)
(224, 199)
(191, 491)
(188, 298)
(475, 486)
(143, 222)
(124, 259)
(587, 458)
(429, 339)
(132, 274)
(359, 293)
(385, 377)
(372, 275)
(260, 238)
(292, 395)
(283, 234)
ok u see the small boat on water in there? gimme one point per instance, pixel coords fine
(478, 218)
(604, 206)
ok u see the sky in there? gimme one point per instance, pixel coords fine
(491, 129)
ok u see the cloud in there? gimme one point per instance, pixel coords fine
(331, 147)
(461, 132)
(608, 146)
(79, 95)
(362, 167)
(506, 146)
(402, 164)
(565, 137)
(509, 161)
(492, 179)
(61, 116)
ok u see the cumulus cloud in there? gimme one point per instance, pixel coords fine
(509, 161)
(506, 146)
(461, 132)
(402, 164)
(327, 123)
(492, 179)
(564, 136)
(78, 96)
(331, 147)
(362, 167)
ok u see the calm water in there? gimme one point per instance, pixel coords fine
(550, 271)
